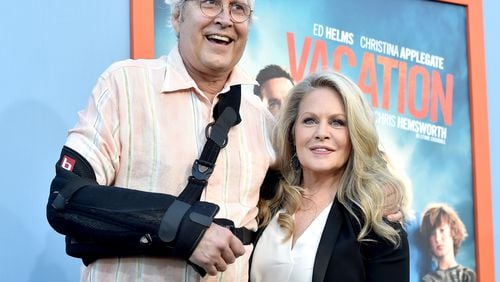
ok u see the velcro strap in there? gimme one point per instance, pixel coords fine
(171, 220)
(65, 194)
(183, 225)
(245, 235)
(193, 227)
(219, 130)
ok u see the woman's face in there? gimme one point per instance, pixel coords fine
(321, 135)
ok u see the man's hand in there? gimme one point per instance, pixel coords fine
(392, 208)
(218, 248)
(393, 213)
(395, 217)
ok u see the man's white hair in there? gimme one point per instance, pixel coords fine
(175, 4)
(175, 9)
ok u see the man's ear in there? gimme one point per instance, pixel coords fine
(176, 19)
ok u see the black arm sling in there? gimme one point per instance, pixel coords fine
(139, 223)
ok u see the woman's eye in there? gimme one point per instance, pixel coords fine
(309, 121)
(337, 123)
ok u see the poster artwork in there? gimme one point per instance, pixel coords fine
(410, 60)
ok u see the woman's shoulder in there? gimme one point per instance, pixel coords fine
(373, 245)
(376, 247)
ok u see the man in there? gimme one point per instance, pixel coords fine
(444, 232)
(274, 84)
(145, 124)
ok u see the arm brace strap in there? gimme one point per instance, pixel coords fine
(102, 221)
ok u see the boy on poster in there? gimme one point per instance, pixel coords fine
(443, 233)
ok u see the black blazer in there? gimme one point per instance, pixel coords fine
(341, 258)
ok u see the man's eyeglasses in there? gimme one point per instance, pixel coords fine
(238, 11)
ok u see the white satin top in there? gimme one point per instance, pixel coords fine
(275, 260)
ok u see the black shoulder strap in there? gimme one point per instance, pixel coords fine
(226, 115)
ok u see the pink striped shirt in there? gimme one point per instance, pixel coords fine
(143, 128)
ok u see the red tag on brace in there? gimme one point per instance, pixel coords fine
(68, 163)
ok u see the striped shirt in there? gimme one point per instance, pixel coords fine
(458, 273)
(143, 128)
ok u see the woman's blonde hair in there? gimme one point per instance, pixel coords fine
(368, 184)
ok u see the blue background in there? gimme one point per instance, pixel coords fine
(52, 53)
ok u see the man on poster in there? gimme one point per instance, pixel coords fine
(274, 84)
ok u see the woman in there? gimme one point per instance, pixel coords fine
(325, 219)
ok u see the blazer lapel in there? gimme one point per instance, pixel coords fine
(327, 242)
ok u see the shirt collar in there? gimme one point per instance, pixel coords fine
(177, 77)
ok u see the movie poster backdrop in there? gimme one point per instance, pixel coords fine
(409, 57)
